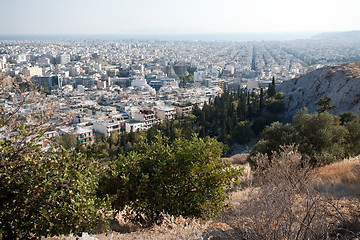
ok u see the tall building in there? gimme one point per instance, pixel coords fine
(33, 71)
(2, 62)
(198, 76)
(52, 82)
(86, 82)
(64, 58)
(21, 58)
(43, 61)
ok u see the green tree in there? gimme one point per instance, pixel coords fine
(185, 79)
(43, 193)
(68, 141)
(275, 106)
(320, 136)
(348, 117)
(273, 137)
(353, 138)
(324, 105)
(261, 101)
(242, 132)
(47, 193)
(185, 178)
(259, 124)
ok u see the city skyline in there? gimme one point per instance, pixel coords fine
(79, 17)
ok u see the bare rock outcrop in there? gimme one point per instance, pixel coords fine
(341, 83)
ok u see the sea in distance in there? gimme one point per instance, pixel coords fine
(241, 37)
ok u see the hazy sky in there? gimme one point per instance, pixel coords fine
(176, 16)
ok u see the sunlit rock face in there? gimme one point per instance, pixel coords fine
(341, 83)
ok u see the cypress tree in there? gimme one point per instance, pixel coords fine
(272, 89)
(261, 104)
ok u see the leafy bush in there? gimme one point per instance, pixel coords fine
(348, 117)
(273, 136)
(259, 124)
(319, 135)
(242, 132)
(353, 138)
(185, 178)
(275, 106)
(46, 193)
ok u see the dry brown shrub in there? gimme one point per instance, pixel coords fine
(351, 69)
(246, 178)
(27, 106)
(240, 158)
(285, 204)
(240, 161)
(171, 228)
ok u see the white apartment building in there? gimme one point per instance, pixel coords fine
(139, 82)
(107, 127)
(134, 125)
(20, 58)
(2, 62)
(183, 110)
(64, 59)
(84, 135)
(33, 71)
(146, 116)
(166, 112)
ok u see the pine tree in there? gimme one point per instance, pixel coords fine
(324, 105)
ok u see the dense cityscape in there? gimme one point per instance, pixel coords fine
(103, 86)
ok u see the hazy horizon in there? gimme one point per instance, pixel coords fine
(276, 36)
(186, 17)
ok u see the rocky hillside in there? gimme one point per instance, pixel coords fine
(341, 83)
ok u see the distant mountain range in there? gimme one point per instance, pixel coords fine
(338, 35)
(341, 83)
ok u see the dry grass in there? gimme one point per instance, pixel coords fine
(347, 171)
(351, 70)
(284, 206)
(285, 203)
(238, 159)
(341, 179)
(171, 228)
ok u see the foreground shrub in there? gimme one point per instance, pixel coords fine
(185, 178)
(285, 205)
(46, 194)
